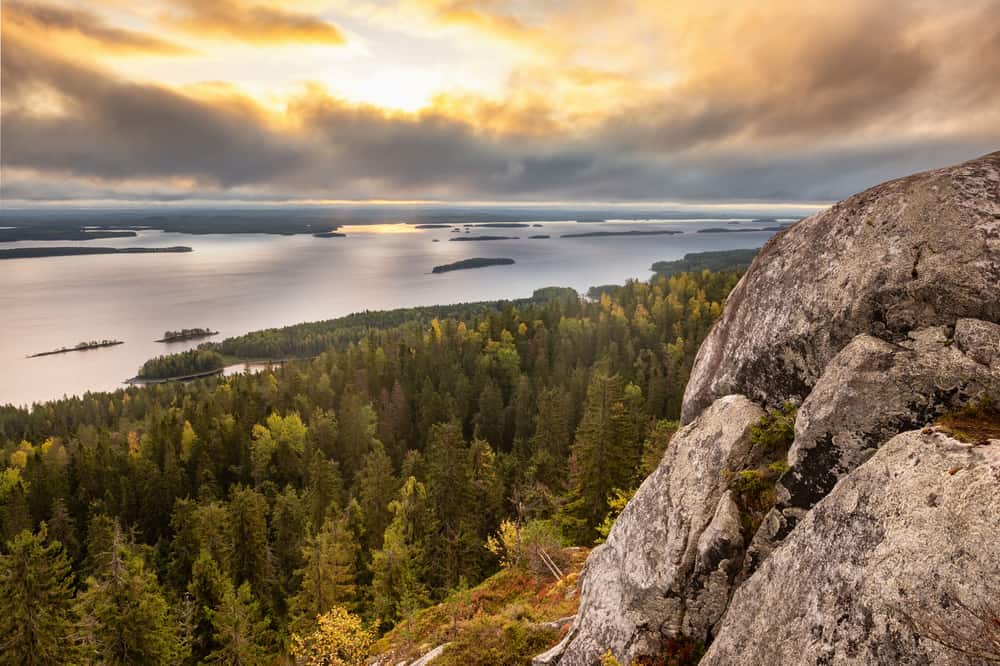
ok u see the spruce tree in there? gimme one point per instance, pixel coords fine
(36, 602)
(605, 455)
(125, 618)
(328, 575)
(397, 569)
(240, 630)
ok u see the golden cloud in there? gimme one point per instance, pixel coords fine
(252, 23)
(70, 29)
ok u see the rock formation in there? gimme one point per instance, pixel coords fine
(876, 317)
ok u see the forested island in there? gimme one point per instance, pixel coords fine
(363, 484)
(632, 232)
(477, 262)
(432, 226)
(482, 238)
(330, 234)
(723, 230)
(187, 334)
(72, 251)
(80, 346)
(539, 236)
(718, 260)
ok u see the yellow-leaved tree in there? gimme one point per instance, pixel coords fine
(340, 639)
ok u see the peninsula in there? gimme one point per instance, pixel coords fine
(65, 251)
(477, 262)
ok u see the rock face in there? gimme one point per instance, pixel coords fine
(895, 559)
(876, 317)
(915, 252)
(666, 566)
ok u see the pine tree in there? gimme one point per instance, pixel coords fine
(328, 575)
(36, 602)
(241, 632)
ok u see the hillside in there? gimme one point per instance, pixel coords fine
(832, 496)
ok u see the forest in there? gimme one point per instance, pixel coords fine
(271, 517)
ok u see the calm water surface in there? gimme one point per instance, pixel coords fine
(239, 283)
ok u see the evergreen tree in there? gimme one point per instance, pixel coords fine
(397, 568)
(328, 575)
(249, 551)
(36, 602)
(241, 632)
(124, 616)
(605, 455)
(376, 488)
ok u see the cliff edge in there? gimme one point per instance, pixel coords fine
(871, 536)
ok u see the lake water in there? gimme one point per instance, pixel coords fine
(238, 283)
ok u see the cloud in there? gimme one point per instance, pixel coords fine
(46, 22)
(764, 101)
(251, 23)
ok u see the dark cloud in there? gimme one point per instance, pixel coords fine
(815, 134)
(40, 18)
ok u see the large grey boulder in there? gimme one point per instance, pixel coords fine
(915, 252)
(902, 556)
(668, 564)
(873, 390)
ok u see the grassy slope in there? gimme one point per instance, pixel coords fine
(500, 621)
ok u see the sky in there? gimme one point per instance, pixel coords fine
(645, 101)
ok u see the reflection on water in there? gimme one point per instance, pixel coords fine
(238, 283)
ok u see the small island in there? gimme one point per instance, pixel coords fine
(187, 334)
(81, 346)
(483, 238)
(633, 232)
(432, 226)
(67, 251)
(329, 234)
(540, 236)
(502, 225)
(477, 262)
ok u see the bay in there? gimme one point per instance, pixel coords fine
(235, 283)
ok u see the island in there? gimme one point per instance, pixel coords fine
(721, 230)
(502, 225)
(540, 236)
(477, 262)
(68, 251)
(187, 334)
(633, 232)
(81, 346)
(482, 238)
(329, 234)
(717, 260)
(432, 226)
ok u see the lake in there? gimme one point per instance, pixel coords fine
(238, 283)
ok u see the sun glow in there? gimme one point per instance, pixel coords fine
(389, 228)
